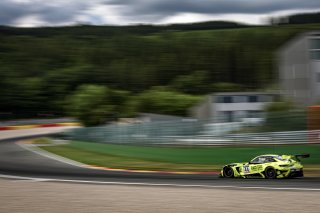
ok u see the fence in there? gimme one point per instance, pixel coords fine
(153, 132)
(270, 138)
(189, 132)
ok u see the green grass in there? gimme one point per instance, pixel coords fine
(174, 158)
(46, 141)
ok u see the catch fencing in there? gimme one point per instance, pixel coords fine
(190, 132)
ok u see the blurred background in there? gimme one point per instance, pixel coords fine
(98, 74)
(160, 92)
(179, 81)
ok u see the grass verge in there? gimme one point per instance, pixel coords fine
(174, 158)
(42, 141)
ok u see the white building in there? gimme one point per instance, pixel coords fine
(233, 106)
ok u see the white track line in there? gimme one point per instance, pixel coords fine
(151, 184)
(35, 149)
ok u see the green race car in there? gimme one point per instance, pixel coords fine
(266, 166)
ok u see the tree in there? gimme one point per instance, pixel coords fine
(282, 116)
(195, 83)
(162, 100)
(281, 106)
(226, 87)
(92, 105)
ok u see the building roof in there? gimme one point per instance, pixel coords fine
(244, 93)
(159, 117)
(296, 38)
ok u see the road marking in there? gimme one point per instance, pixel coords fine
(35, 149)
(152, 184)
(31, 180)
(32, 126)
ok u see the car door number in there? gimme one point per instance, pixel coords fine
(246, 169)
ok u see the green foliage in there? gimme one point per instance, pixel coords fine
(304, 18)
(40, 67)
(282, 116)
(285, 121)
(227, 87)
(101, 31)
(166, 102)
(194, 83)
(94, 105)
(281, 106)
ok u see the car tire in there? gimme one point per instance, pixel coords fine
(228, 172)
(270, 173)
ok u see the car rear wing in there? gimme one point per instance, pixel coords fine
(302, 156)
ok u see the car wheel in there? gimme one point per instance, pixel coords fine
(228, 172)
(270, 173)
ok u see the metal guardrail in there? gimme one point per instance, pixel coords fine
(129, 136)
(270, 138)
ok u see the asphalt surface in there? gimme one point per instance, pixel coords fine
(17, 161)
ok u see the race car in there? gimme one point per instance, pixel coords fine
(267, 166)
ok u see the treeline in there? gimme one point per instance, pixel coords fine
(40, 68)
(103, 31)
(303, 18)
(97, 104)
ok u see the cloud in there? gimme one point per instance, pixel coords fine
(13, 12)
(212, 6)
(119, 12)
(170, 11)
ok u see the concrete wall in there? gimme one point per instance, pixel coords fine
(294, 71)
(203, 111)
(298, 74)
(315, 82)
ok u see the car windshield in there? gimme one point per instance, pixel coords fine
(258, 160)
(279, 158)
(263, 159)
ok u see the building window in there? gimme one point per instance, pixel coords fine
(254, 114)
(240, 99)
(239, 115)
(243, 99)
(253, 98)
(227, 99)
(314, 45)
(264, 98)
(224, 99)
(225, 116)
(315, 54)
(228, 116)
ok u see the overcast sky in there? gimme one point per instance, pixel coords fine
(30, 13)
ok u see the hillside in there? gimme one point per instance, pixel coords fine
(40, 67)
(97, 31)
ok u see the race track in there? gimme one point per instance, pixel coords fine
(17, 162)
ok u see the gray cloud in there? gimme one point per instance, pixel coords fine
(212, 6)
(155, 10)
(10, 11)
(58, 12)
(51, 12)
(63, 12)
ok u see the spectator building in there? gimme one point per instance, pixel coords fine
(299, 69)
(233, 106)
